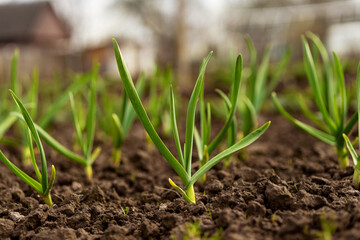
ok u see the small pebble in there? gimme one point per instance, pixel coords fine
(76, 186)
(163, 207)
(16, 217)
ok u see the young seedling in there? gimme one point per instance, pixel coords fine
(78, 83)
(106, 106)
(182, 166)
(9, 120)
(123, 122)
(125, 210)
(86, 142)
(43, 186)
(158, 103)
(193, 232)
(328, 228)
(355, 156)
(259, 85)
(6, 123)
(6, 119)
(330, 97)
(202, 140)
(30, 101)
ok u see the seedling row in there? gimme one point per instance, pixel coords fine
(157, 106)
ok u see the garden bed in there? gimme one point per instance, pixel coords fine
(289, 187)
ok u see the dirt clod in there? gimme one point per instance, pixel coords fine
(278, 197)
(6, 227)
(283, 188)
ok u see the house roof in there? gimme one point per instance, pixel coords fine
(18, 20)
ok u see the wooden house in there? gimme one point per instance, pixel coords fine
(40, 35)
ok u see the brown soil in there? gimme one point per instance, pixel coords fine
(290, 187)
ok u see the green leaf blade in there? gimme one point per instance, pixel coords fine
(253, 136)
(6, 124)
(31, 126)
(175, 128)
(233, 98)
(118, 133)
(139, 108)
(260, 81)
(329, 84)
(76, 123)
(51, 182)
(61, 101)
(358, 98)
(23, 176)
(32, 155)
(130, 114)
(14, 77)
(91, 122)
(351, 149)
(342, 89)
(314, 83)
(312, 131)
(190, 117)
(53, 143)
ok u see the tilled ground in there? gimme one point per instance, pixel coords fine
(290, 187)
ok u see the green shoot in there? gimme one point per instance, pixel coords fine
(14, 76)
(6, 123)
(355, 156)
(106, 93)
(33, 94)
(86, 142)
(78, 84)
(259, 85)
(43, 186)
(330, 97)
(158, 103)
(125, 210)
(193, 231)
(31, 101)
(202, 140)
(32, 98)
(123, 122)
(9, 120)
(328, 228)
(182, 166)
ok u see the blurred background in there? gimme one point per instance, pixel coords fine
(66, 35)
